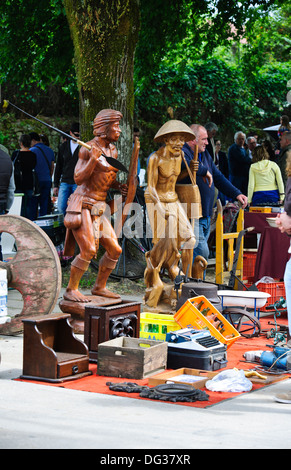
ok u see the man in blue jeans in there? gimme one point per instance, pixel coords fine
(207, 178)
(45, 161)
(64, 183)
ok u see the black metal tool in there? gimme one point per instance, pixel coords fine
(177, 283)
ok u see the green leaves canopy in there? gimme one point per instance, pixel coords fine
(208, 60)
(36, 50)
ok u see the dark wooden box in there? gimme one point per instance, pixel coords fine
(133, 358)
(51, 352)
(105, 323)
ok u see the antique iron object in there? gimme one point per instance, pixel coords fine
(195, 288)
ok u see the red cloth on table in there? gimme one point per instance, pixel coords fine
(257, 220)
(272, 254)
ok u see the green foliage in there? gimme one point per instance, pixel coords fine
(268, 40)
(195, 60)
(35, 47)
(4, 138)
(269, 88)
(190, 29)
(32, 40)
(200, 91)
(212, 90)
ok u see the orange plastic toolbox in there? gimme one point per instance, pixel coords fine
(199, 313)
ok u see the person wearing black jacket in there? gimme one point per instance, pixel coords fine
(239, 163)
(211, 129)
(220, 160)
(45, 163)
(24, 181)
(64, 183)
(7, 186)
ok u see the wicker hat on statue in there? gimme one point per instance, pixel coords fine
(174, 126)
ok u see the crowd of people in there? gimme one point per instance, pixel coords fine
(251, 172)
(257, 169)
(251, 168)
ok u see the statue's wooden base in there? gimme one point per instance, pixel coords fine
(166, 304)
(77, 309)
(103, 323)
(162, 307)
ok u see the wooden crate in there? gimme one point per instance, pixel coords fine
(133, 358)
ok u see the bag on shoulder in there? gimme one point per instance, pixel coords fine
(18, 174)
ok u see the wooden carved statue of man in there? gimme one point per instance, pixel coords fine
(85, 220)
(172, 230)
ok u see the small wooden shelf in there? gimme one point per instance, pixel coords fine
(51, 351)
(103, 323)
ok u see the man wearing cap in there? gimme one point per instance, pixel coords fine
(64, 183)
(167, 216)
(85, 220)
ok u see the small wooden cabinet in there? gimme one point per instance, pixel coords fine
(51, 351)
(106, 323)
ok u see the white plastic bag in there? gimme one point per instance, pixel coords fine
(230, 380)
(265, 280)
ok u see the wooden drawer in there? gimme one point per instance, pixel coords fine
(71, 364)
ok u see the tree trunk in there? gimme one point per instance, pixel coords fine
(105, 34)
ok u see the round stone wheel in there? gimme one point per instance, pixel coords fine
(35, 270)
